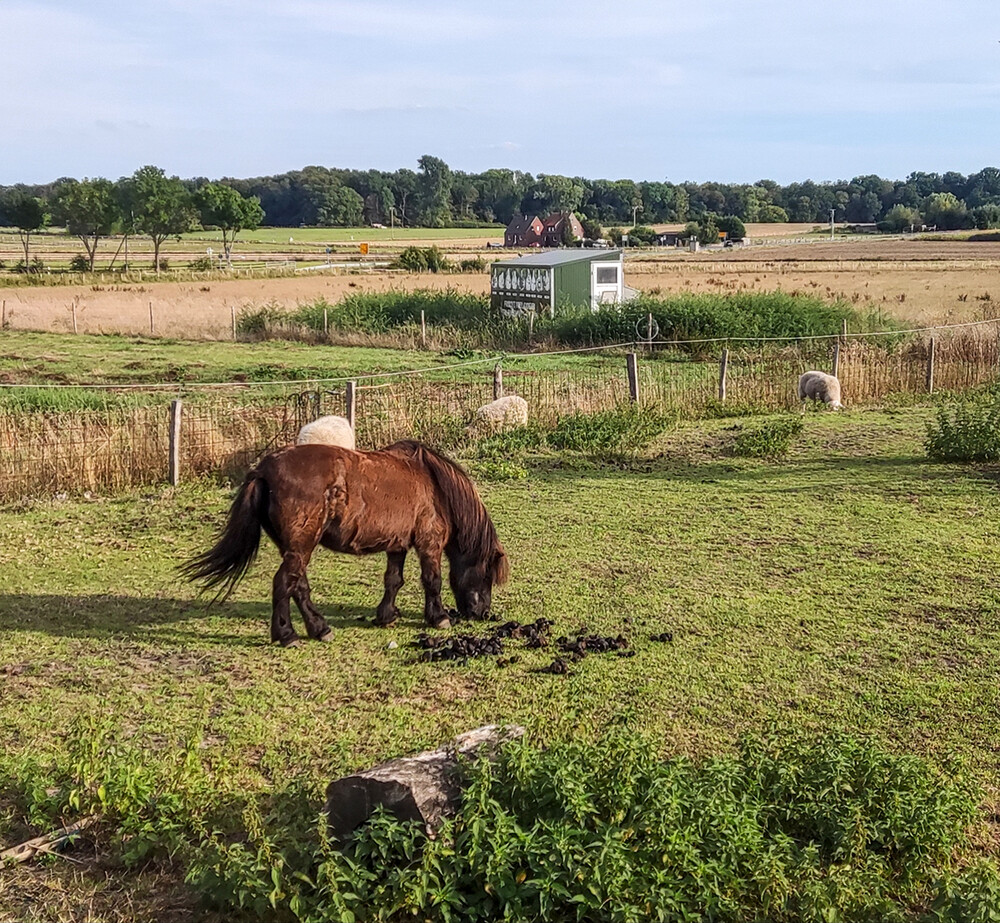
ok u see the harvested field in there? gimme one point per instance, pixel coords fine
(921, 282)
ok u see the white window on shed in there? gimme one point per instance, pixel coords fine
(607, 275)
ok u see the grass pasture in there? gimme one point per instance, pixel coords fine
(847, 586)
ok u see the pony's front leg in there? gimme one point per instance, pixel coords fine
(435, 613)
(387, 613)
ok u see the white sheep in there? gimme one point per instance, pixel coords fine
(330, 430)
(819, 386)
(503, 413)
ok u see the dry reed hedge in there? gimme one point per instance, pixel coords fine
(48, 452)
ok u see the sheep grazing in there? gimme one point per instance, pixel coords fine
(328, 431)
(819, 386)
(503, 413)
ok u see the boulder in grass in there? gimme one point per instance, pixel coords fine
(425, 787)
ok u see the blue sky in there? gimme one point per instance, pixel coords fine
(730, 91)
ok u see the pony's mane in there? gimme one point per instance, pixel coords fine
(473, 533)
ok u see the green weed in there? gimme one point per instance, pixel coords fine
(967, 431)
(767, 440)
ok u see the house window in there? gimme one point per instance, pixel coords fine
(607, 275)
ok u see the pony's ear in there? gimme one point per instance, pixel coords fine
(501, 567)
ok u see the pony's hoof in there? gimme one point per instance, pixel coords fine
(442, 623)
(291, 642)
(326, 636)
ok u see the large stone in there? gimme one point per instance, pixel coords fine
(425, 787)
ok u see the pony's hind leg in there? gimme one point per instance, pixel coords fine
(316, 626)
(282, 588)
(387, 613)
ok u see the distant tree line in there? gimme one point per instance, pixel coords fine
(434, 195)
(147, 203)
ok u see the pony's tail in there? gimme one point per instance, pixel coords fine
(224, 565)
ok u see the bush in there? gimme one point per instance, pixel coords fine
(966, 432)
(79, 263)
(476, 264)
(624, 429)
(767, 440)
(422, 259)
(790, 829)
(164, 264)
(202, 264)
(36, 265)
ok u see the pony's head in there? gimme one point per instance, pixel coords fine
(472, 581)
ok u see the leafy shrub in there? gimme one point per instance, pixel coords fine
(260, 321)
(422, 259)
(476, 264)
(79, 263)
(791, 829)
(624, 429)
(36, 265)
(164, 264)
(767, 440)
(202, 264)
(966, 432)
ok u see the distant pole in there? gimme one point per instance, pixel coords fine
(832, 212)
(351, 400)
(326, 321)
(723, 369)
(649, 332)
(930, 366)
(174, 464)
(151, 318)
(497, 381)
(423, 329)
(76, 299)
(835, 371)
(531, 324)
(232, 311)
(632, 367)
(3, 315)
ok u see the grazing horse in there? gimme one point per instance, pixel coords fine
(401, 497)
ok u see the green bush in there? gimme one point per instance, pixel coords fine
(79, 263)
(624, 429)
(767, 440)
(475, 264)
(202, 264)
(790, 830)
(966, 432)
(422, 259)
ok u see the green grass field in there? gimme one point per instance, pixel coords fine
(848, 586)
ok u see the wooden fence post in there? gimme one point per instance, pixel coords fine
(232, 311)
(649, 333)
(351, 400)
(423, 329)
(174, 465)
(723, 369)
(531, 324)
(3, 315)
(632, 366)
(836, 359)
(76, 300)
(497, 381)
(930, 366)
(151, 318)
(326, 322)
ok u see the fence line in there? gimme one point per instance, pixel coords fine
(136, 441)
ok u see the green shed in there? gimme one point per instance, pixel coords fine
(540, 281)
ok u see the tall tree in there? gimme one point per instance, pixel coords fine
(89, 209)
(160, 206)
(220, 206)
(434, 190)
(27, 213)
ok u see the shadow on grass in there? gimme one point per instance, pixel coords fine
(761, 475)
(172, 621)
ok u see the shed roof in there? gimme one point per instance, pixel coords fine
(560, 257)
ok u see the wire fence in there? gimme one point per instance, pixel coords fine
(121, 438)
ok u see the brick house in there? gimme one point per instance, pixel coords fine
(523, 231)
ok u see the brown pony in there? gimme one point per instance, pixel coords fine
(405, 496)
